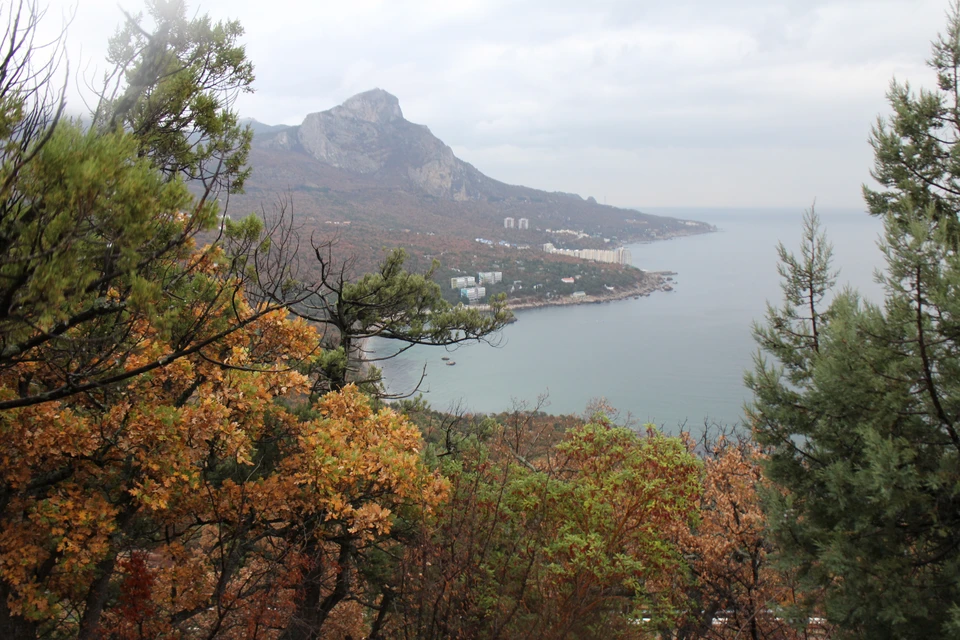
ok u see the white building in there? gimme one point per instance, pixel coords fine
(508, 223)
(523, 223)
(473, 294)
(489, 277)
(462, 282)
(611, 256)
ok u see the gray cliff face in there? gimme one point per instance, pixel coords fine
(375, 106)
(368, 134)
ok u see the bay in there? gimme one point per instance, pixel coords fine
(671, 359)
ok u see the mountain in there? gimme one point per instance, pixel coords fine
(260, 128)
(365, 150)
(368, 135)
(381, 181)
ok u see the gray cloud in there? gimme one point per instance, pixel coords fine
(695, 102)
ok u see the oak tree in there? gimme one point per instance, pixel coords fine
(736, 588)
(573, 543)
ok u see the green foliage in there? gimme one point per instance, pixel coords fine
(83, 206)
(575, 543)
(917, 159)
(93, 238)
(173, 89)
(805, 281)
(405, 306)
(97, 227)
(627, 493)
(394, 304)
(862, 430)
(861, 416)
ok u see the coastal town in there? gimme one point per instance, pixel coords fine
(567, 282)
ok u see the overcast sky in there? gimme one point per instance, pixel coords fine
(727, 103)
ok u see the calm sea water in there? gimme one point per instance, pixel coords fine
(671, 359)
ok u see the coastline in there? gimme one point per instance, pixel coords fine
(655, 281)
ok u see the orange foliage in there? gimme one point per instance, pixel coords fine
(737, 591)
(183, 502)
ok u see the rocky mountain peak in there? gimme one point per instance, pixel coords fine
(374, 106)
(368, 134)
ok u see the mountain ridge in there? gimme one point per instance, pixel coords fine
(368, 134)
(359, 173)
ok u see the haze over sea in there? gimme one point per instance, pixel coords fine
(672, 358)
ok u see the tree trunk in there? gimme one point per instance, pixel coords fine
(14, 627)
(312, 608)
(98, 591)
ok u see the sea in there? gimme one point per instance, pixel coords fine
(675, 359)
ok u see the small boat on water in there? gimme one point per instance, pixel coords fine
(445, 358)
(450, 363)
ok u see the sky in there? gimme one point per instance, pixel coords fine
(645, 103)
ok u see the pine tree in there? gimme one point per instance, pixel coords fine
(863, 459)
(859, 407)
(98, 225)
(390, 303)
(916, 152)
(173, 85)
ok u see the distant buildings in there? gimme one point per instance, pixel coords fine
(612, 256)
(489, 277)
(523, 223)
(473, 294)
(508, 223)
(570, 232)
(462, 282)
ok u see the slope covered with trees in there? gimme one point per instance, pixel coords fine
(167, 471)
(184, 454)
(190, 449)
